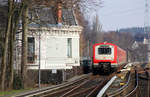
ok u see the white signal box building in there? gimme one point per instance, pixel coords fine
(53, 42)
(59, 47)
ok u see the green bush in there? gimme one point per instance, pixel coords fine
(17, 83)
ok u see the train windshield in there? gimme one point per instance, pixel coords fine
(104, 50)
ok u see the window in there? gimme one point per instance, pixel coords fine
(69, 47)
(31, 49)
(104, 50)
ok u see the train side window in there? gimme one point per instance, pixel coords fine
(104, 50)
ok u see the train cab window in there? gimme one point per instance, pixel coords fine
(104, 50)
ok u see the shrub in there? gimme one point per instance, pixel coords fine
(17, 82)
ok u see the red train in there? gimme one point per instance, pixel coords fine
(107, 56)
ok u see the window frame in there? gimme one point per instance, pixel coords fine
(104, 51)
(69, 47)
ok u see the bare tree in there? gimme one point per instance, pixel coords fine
(4, 58)
(97, 28)
(14, 15)
(15, 22)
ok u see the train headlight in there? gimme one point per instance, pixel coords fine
(112, 58)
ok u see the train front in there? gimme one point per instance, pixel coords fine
(103, 56)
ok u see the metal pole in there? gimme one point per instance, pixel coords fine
(39, 60)
(88, 49)
(148, 84)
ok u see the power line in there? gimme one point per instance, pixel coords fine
(124, 11)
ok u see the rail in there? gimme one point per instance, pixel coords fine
(92, 91)
(48, 89)
(135, 92)
(95, 92)
(131, 93)
(101, 93)
(119, 91)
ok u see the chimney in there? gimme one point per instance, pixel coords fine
(59, 14)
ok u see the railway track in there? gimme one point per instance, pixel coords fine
(130, 89)
(88, 86)
(138, 84)
(144, 82)
(86, 92)
(113, 92)
(92, 87)
(85, 89)
(44, 91)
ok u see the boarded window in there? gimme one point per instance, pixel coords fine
(69, 47)
(31, 49)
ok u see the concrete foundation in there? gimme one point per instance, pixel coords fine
(53, 76)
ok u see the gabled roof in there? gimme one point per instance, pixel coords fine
(47, 17)
(3, 2)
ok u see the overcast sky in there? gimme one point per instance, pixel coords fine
(116, 14)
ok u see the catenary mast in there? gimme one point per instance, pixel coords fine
(147, 29)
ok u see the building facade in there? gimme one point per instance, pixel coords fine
(53, 44)
(58, 49)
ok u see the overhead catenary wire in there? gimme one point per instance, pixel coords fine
(129, 11)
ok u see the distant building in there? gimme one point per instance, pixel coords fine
(138, 52)
(58, 41)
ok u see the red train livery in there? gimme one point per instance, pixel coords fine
(107, 56)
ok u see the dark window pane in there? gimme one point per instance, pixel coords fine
(69, 51)
(31, 49)
(104, 50)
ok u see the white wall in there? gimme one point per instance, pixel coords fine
(76, 51)
(54, 50)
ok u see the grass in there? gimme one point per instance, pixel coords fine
(11, 92)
